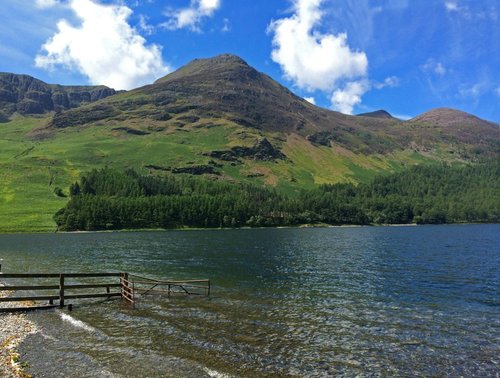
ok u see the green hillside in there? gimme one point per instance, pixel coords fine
(31, 168)
(221, 119)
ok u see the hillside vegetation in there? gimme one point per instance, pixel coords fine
(217, 118)
(111, 200)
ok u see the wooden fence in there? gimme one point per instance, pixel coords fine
(57, 288)
(124, 285)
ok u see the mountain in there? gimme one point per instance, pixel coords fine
(377, 114)
(216, 117)
(458, 129)
(26, 95)
(449, 118)
(226, 89)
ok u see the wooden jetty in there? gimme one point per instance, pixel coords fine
(61, 287)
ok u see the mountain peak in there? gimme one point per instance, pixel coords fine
(219, 64)
(377, 114)
(450, 117)
(224, 58)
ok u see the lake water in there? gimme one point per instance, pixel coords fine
(370, 301)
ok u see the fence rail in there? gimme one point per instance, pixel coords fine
(62, 288)
(145, 285)
(130, 285)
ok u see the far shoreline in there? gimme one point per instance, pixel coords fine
(303, 226)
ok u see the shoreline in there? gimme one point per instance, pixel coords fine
(301, 226)
(14, 328)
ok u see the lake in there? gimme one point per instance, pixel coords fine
(315, 302)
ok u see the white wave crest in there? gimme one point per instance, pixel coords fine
(77, 323)
(215, 374)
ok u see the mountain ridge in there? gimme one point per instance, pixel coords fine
(226, 89)
(27, 95)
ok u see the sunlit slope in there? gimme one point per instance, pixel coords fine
(33, 168)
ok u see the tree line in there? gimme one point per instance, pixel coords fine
(110, 199)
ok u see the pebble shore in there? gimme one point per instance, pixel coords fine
(14, 327)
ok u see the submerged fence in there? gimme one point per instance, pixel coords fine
(62, 287)
(143, 285)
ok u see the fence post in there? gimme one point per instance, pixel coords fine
(61, 290)
(124, 282)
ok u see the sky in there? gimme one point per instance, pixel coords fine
(353, 56)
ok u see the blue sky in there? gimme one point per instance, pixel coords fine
(348, 55)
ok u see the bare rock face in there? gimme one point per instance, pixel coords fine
(262, 150)
(27, 95)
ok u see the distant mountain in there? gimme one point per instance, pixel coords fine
(26, 95)
(459, 129)
(445, 117)
(377, 114)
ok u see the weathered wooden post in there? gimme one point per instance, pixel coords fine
(124, 287)
(133, 294)
(61, 290)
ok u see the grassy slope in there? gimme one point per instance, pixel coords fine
(31, 169)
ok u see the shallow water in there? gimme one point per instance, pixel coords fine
(285, 302)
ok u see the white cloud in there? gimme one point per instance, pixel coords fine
(191, 16)
(227, 26)
(147, 28)
(433, 66)
(391, 82)
(311, 100)
(451, 6)
(472, 91)
(439, 69)
(309, 58)
(471, 13)
(46, 3)
(344, 100)
(105, 48)
(497, 91)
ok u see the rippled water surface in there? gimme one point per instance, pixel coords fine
(394, 301)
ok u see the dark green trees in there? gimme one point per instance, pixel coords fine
(109, 200)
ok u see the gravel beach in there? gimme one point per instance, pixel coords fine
(14, 327)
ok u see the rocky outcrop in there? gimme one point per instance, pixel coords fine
(131, 131)
(85, 115)
(26, 95)
(262, 150)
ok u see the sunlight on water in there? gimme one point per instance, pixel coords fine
(288, 302)
(76, 323)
